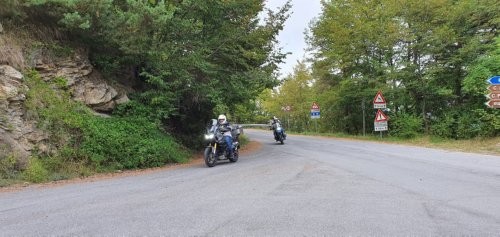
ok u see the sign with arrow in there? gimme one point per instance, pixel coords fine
(379, 101)
(494, 80)
(494, 96)
(493, 104)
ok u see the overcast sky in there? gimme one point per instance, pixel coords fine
(292, 37)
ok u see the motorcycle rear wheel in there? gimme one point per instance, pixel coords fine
(210, 159)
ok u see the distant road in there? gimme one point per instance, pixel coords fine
(309, 186)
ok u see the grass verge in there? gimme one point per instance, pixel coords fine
(489, 146)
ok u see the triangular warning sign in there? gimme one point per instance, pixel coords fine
(380, 117)
(315, 106)
(379, 99)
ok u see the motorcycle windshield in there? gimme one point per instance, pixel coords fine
(212, 126)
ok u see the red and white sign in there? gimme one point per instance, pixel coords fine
(495, 88)
(315, 107)
(493, 104)
(380, 117)
(494, 96)
(379, 101)
(286, 108)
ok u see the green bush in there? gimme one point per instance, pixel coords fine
(405, 125)
(36, 172)
(126, 143)
(83, 143)
(444, 126)
(465, 125)
(468, 126)
(8, 166)
(243, 139)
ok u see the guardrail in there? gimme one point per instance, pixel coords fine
(254, 125)
(242, 126)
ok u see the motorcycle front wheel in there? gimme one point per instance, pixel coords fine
(210, 159)
(236, 155)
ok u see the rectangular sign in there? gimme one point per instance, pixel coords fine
(381, 126)
(315, 114)
(379, 106)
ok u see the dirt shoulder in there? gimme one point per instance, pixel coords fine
(197, 159)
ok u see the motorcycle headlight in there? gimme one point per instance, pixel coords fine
(278, 129)
(209, 136)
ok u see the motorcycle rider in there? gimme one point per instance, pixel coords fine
(225, 128)
(273, 126)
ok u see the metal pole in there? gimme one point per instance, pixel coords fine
(364, 119)
(288, 121)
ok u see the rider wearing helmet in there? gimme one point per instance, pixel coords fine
(274, 121)
(225, 128)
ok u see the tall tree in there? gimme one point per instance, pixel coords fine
(418, 53)
(294, 92)
(193, 56)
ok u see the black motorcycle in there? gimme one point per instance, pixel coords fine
(279, 133)
(216, 145)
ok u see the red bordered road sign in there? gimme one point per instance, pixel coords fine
(379, 101)
(315, 106)
(380, 117)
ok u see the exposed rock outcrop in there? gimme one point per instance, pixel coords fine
(87, 85)
(17, 135)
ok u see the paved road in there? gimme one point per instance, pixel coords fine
(309, 186)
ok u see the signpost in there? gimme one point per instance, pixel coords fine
(315, 114)
(287, 109)
(494, 94)
(315, 111)
(380, 123)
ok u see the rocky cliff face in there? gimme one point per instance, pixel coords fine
(18, 135)
(87, 85)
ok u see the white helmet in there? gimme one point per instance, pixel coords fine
(222, 119)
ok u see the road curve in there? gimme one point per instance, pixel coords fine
(309, 186)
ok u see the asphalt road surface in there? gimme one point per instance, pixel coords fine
(309, 186)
